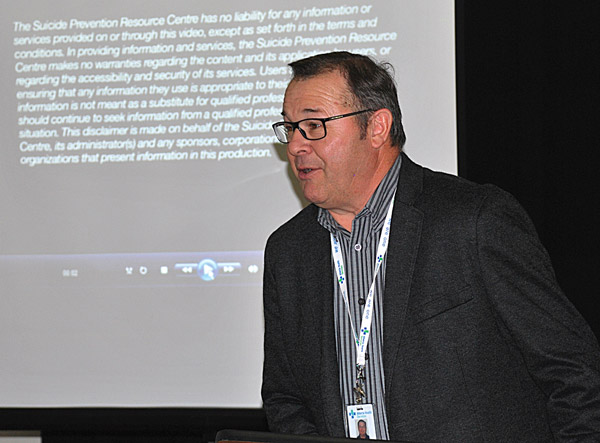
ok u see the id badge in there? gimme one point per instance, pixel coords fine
(361, 422)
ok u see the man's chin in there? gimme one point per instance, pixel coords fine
(312, 196)
(316, 201)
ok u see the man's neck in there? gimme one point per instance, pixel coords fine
(345, 217)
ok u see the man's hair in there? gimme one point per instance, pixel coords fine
(361, 421)
(370, 84)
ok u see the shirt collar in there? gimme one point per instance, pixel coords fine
(377, 205)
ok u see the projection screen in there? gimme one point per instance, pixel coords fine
(140, 179)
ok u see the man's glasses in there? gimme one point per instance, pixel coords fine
(310, 128)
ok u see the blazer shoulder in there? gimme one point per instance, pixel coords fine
(297, 231)
(433, 190)
(456, 205)
(451, 191)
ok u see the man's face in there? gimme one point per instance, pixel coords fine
(362, 428)
(331, 171)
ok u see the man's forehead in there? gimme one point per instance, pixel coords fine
(331, 79)
(315, 94)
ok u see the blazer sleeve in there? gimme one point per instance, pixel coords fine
(557, 346)
(282, 399)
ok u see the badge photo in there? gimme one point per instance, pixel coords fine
(361, 422)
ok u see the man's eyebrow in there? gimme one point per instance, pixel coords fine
(305, 111)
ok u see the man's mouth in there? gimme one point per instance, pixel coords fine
(306, 173)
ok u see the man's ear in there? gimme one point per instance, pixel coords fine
(380, 126)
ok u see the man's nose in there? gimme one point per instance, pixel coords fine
(297, 144)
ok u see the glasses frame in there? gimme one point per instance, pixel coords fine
(296, 125)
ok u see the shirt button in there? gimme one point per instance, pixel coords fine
(357, 247)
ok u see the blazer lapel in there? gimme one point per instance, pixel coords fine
(402, 252)
(321, 301)
(330, 377)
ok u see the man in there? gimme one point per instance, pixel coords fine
(415, 296)
(361, 426)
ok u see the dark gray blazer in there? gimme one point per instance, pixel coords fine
(480, 344)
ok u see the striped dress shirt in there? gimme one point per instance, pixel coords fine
(359, 249)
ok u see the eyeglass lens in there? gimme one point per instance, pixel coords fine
(310, 129)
